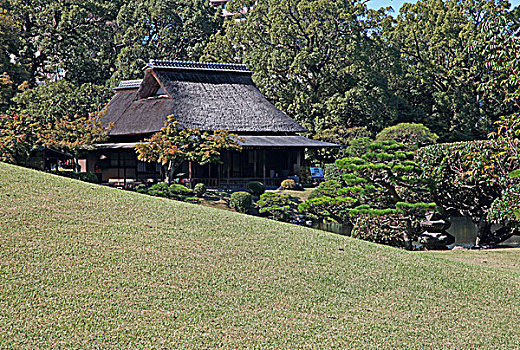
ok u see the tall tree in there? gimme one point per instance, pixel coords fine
(168, 29)
(441, 44)
(72, 38)
(11, 74)
(314, 59)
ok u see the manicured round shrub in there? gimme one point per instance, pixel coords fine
(160, 189)
(199, 189)
(241, 201)
(288, 184)
(179, 189)
(256, 188)
(276, 204)
(412, 135)
(142, 188)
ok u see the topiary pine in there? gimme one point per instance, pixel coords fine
(383, 181)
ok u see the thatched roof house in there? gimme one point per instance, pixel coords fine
(207, 96)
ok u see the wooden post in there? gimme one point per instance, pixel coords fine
(263, 162)
(298, 162)
(189, 172)
(255, 161)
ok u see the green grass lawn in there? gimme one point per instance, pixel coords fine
(83, 266)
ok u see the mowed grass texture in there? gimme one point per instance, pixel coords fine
(83, 266)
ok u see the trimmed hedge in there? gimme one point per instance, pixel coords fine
(199, 189)
(256, 188)
(288, 184)
(241, 201)
(411, 134)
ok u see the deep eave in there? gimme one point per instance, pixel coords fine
(248, 141)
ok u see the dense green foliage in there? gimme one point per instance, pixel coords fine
(444, 51)
(506, 209)
(241, 201)
(315, 60)
(256, 188)
(467, 177)
(385, 182)
(412, 135)
(199, 190)
(334, 65)
(168, 29)
(277, 205)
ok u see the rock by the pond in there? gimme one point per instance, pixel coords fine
(435, 235)
(436, 240)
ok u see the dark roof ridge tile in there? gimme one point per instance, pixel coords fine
(206, 66)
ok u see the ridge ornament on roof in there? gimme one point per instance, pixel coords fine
(207, 66)
(129, 84)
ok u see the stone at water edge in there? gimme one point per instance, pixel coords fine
(435, 235)
(436, 240)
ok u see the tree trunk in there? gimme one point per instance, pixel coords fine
(168, 175)
(409, 232)
(487, 237)
(483, 231)
(170, 171)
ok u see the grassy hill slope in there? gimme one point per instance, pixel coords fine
(83, 266)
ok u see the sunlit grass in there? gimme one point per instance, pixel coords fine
(84, 266)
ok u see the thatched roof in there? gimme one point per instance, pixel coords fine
(207, 96)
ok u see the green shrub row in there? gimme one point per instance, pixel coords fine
(173, 191)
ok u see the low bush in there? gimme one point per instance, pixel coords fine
(141, 189)
(288, 184)
(276, 204)
(192, 200)
(160, 189)
(199, 189)
(83, 176)
(88, 177)
(385, 229)
(241, 201)
(256, 188)
(412, 135)
(179, 189)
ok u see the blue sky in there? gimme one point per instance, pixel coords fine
(396, 4)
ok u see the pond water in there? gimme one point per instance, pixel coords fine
(462, 228)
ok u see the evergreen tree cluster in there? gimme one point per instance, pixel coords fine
(331, 65)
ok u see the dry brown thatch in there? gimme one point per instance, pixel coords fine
(199, 95)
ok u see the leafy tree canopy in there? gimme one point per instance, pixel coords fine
(314, 59)
(443, 54)
(169, 29)
(173, 145)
